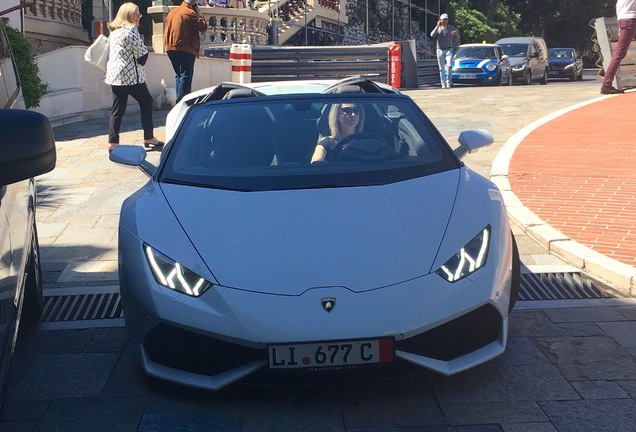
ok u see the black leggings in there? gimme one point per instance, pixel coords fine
(140, 93)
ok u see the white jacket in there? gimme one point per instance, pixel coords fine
(126, 46)
(626, 9)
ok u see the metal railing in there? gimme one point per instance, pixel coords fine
(427, 72)
(270, 63)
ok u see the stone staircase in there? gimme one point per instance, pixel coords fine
(292, 14)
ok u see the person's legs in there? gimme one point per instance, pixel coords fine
(441, 59)
(141, 94)
(120, 101)
(183, 65)
(188, 67)
(627, 32)
(449, 67)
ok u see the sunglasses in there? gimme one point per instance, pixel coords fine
(348, 111)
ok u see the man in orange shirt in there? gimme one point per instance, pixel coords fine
(182, 41)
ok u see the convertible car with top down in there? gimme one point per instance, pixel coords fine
(253, 251)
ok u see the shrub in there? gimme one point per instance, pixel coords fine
(32, 87)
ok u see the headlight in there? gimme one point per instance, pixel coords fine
(491, 66)
(468, 260)
(519, 66)
(172, 275)
(570, 66)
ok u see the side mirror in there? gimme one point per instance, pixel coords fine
(133, 156)
(471, 140)
(27, 147)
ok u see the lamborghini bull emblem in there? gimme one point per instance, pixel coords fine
(328, 303)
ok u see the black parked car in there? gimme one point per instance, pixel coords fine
(565, 63)
(27, 149)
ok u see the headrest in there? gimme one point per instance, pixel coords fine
(323, 121)
(354, 85)
(350, 88)
(240, 93)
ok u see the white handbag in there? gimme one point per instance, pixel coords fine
(97, 53)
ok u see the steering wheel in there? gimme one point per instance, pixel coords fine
(364, 146)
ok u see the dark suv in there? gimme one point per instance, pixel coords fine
(528, 58)
(27, 149)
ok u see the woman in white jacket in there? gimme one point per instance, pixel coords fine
(126, 76)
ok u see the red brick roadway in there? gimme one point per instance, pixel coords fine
(578, 173)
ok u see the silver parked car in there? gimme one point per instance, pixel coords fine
(528, 58)
(27, 149)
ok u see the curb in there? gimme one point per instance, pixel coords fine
(619, 276)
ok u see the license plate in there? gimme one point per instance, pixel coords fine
(467, 76)
(553, 72)
(324, 354)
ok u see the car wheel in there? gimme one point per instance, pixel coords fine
(544, 79)
(33, 296)
(527, 78)
(516, 275)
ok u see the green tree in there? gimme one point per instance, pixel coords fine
(562, 23)
(472, 19)
(32, 87)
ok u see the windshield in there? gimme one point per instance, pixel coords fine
(515, 49)
(300, 141)
(476, 52)
(560, 54)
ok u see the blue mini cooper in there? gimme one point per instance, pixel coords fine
(481, 64)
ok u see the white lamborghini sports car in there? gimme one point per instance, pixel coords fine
(242, 259)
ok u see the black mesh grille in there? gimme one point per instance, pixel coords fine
(192, 352)
(469, 71)
(457, 337)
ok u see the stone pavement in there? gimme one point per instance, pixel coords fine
(565, 369)
(570, 365)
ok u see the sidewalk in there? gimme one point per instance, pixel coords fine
(571, 184)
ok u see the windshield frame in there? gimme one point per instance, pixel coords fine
(309, 176)
(508, 46)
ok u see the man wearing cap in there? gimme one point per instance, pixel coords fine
(447, 38)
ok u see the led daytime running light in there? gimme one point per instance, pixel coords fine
(172, 275)
(469, 259)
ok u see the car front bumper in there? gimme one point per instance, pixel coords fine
(474, 77)
(223, 336)
(561, 73)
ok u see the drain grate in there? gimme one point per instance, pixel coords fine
(107, 305)
(558, 286)
(82, 307)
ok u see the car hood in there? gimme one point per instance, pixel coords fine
(286, 242)
(514, 61)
